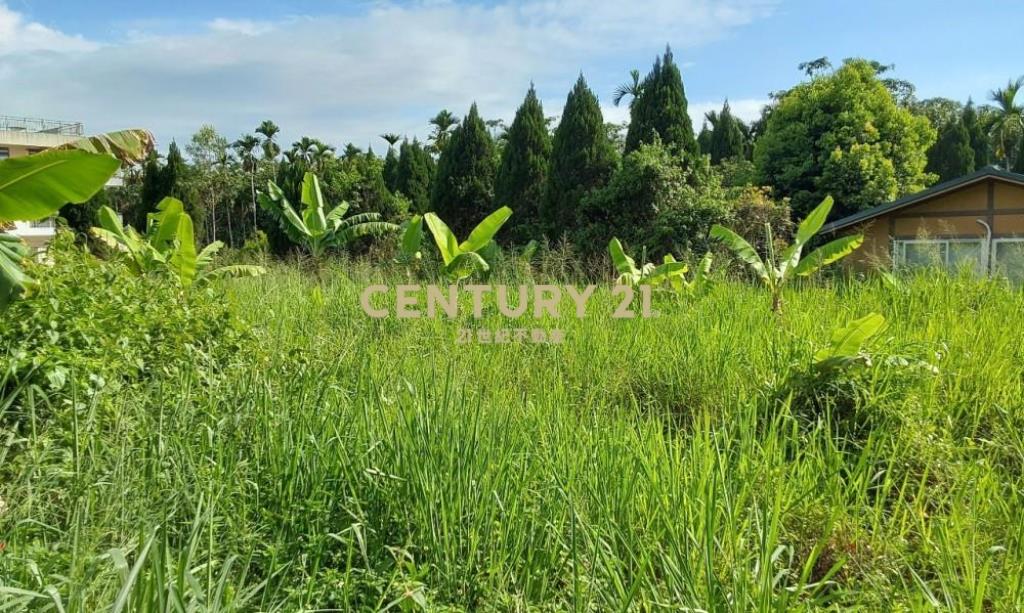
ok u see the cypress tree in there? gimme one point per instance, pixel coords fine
(704, 138)
(463, 192)
(391, 169)
(660, 110)
(582, 159)
(158, 182)
(978, 136)
(413, 175)
(522, 174)
(952, 155)
(727, 137)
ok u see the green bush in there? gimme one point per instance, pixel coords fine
(657, 200)
(93, 323)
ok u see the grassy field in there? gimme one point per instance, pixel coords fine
(693, 460)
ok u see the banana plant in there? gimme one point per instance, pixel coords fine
(630, 274)
(845, 348)
(775, 273)
(168, 247)
(695, 286)
(475, 254)
(317, 229)
(412, 238)
(35, 187)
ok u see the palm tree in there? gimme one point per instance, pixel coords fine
(311, 151)
(245, 147)
(443, 122)
(268, 129)
(391, 137)
(1008, 118)
(352, 152)
(632, 89)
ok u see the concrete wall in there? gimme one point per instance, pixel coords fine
(20, 143)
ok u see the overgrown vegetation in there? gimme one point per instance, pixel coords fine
(157, 454)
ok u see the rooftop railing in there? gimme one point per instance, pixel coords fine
(10, 123)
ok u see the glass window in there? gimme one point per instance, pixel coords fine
(1009, 258)
(952, 254)
(966, 254)
(4, 153)
(922, 253)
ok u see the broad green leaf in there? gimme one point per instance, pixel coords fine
(704, 268)
(847, 341)
(446, 242)
(183, 260)
(337, 214)
(205, 257)
(313, 204)
(529, 251)
(624, 264)
(666, 272)
(813, 222)
(465, 264)
(163, 225)
(274, 202)
(12, 278)
(742, 249)
(108, 238)
(128, 146)
(296, 222)
(359, 219)
(828, 253)
(234, 271)
(789, 258)
(490, 254)
(678, 282)
(110, 221)
(36, 186)
(412, 237)
(370, 228)
(486, 229)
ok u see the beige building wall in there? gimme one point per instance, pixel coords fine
(950, 215)
(20, 143)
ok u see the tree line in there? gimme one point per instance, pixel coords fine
(852, 132)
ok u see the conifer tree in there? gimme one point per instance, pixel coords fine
(391, 170)
(463, 191)
(727, 140)
(952, 155)
(413, 175)
(978, 136)
(704, 138)
(158, 182)
(522, 174)
(660, 110)
(582, 159)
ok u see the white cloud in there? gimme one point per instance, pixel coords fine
(245, 27)
(347, 78)
(19, 36)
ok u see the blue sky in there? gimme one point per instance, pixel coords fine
(347, 71)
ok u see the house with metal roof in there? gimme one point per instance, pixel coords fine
(974, 221)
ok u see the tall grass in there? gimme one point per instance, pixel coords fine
(346, 463)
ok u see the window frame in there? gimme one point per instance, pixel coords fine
(900, 254)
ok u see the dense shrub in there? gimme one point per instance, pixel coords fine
(93, 324)
(656, 200)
